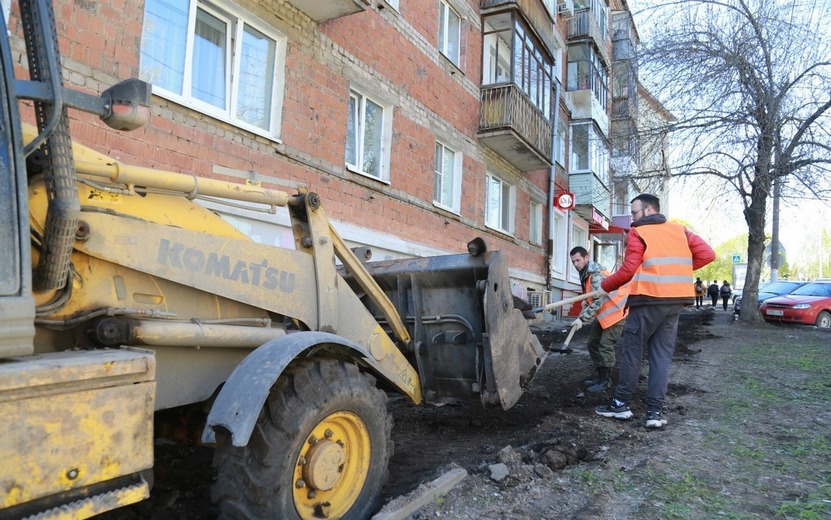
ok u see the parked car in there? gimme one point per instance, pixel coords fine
(770, 290)
(808, 305)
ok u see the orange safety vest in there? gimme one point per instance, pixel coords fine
(666, 270)
(612, 310)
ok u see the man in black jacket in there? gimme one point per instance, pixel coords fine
(712, 292)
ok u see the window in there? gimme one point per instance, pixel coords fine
(215, 58)
(535, 223)
(499, 204)
(562, 139)
(511, 53)
(589, 151)
(579, 237)
(448, 178)
(450, 32)
(367, 136)
(497, 50)
(560, 242)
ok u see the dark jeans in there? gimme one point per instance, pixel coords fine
(654, 327)
(715, 300)
(699, 301)
(724, 301)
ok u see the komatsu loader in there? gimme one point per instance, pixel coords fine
(122, 295)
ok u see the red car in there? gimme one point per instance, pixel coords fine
(808, 305)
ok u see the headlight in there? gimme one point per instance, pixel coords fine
(738, 300)
(802, 306)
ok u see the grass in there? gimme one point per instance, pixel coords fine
(776, 373)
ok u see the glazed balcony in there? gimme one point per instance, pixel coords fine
(583, 25)
(513, 127)
(324, 10)
(533, 11)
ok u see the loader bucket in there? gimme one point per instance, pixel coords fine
(468, 340)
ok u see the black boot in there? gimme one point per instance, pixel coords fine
(604, 380)
(595, 379)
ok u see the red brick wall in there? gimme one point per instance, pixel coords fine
(100, 42)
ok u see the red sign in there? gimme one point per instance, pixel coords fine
(564, 200)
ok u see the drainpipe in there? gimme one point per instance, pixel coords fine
(551, 182)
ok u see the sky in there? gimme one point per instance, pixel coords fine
(716, 215)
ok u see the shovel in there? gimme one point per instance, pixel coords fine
(564, 349)
(573, 299)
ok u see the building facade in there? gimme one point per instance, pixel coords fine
(421, 124)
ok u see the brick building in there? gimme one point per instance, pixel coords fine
(422, 124)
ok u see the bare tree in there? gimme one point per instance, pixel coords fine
(750, 84)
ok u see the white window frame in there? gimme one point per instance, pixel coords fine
(453, 203)
(560, 242)
(597, 153)
(237, 19)
(450, 42)
(535, 222)
(562, 139)
(360, 99)
(579, 237)
(503, 219)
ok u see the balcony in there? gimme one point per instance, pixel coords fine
(324, 10)
(533, 11)
(583, 25)
(513, 127)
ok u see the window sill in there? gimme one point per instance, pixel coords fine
(508, 234)
(183, 102)
(366, 175)
(447, 209)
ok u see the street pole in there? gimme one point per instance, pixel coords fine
(774, 237)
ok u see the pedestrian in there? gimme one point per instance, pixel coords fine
(712, 292)
(659, 260)
(605, 314)
(725, 293)
(699, 293)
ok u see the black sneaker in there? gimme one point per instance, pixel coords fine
(612, 410)
(654, 419)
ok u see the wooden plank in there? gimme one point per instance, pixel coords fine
(424, 495)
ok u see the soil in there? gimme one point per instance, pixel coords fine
(749, 436)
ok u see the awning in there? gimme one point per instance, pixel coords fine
(620, 225)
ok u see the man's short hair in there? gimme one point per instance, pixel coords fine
(578, 249)
(648, 199)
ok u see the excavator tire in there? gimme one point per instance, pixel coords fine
(320, 449)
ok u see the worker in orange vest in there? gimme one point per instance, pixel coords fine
(605, 314)
(658, 265)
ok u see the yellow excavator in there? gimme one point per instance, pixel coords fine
(121, 295)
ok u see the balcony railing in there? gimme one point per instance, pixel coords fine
(590, 79)
(583, 25)
(625, 107)
(510, 124)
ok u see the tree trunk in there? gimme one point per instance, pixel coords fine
(754, 215)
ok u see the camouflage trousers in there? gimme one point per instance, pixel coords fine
(602, 343)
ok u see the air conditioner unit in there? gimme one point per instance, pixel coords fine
(566, 9)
